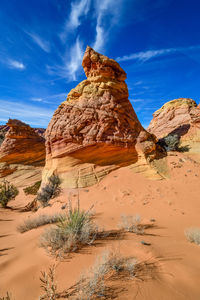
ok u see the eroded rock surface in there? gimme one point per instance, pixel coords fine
(96, 129)
(182, 117)
(22, 150)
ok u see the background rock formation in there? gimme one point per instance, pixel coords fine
(182, 117)
(96, 129)
(22, 150)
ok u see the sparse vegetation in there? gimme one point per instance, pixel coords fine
(108, 266)
(1, 141)
(73, 230)
(170, 142)
(7, 297)
(38, 221)
(193, 235)
(48, 284)
(7, 192)
(51, 190)
(131, 224)
(33, 189)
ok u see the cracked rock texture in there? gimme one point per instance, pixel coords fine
(96, 129)
(22, 151)
(182, 117)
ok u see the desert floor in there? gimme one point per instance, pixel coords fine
(172, 205)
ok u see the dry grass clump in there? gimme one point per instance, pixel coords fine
(32, 189)
(48, 284)
(193, 235)
(102, 279)
(51, 190)
(7, 192)
(131, 224)
(7, 297)
(38, 221)
(74, 229)
(109, 266)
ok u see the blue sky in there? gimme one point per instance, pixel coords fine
(157, 42)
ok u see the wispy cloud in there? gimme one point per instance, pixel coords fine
(71, 62)
(78, 10)
(44, 45)
(137, 100)
(31, 114)
(14, 64)
(50, 98)
(105, 8)
(146, 55)
(76, 55)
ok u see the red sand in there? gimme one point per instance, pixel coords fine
(173, 203)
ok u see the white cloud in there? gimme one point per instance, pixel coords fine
(105, 8)
(44, 45)
(50, 98)
(99, 40)
(146, 55)
(78, 9)
(137, 100)
(76, 55)
(71, 62)
(30, 114)
(37, 99)
(16, 64)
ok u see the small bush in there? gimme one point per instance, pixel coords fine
(7, 297)
(38, 221)
(108, 266)
(73, 230)
(48, 284)
(193, 235)
(171, 142)
(33, 189)
(131, 224)
(1, 141)
(7, 192)
(51, 190)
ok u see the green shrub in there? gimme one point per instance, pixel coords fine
(7, 192)
(33, 189)
(73, 230)
(32, 223)
(51, 190)
(193, 235)
(171, 142)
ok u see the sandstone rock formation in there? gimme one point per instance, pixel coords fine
(22, 149)
(4, 129)
(96, 129)
(182, 117)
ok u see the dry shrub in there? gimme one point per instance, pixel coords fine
(51, 190)
(100, 280)
(38, 221)
(48, 284)
(7, 192)
(108, 266)
(193, 235)
(131, 224)
(7, 297)
(74, 229)
(32, 189)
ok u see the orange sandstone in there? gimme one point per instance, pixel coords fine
(96, 129)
